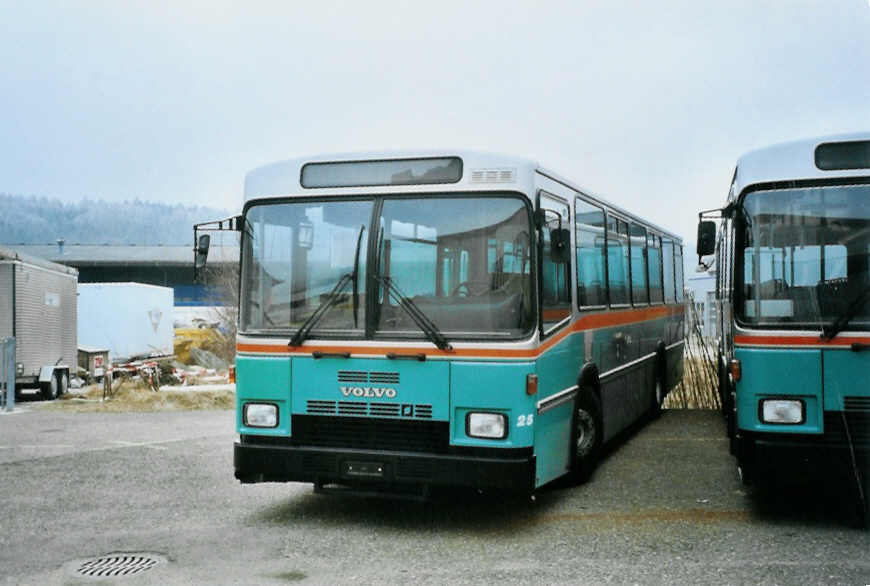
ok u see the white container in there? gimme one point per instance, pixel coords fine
(132, 320)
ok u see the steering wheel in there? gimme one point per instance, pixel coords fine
(472, 288)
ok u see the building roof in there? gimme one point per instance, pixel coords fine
(34, 259)
(81, 255)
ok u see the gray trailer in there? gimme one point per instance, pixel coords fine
(38, 308)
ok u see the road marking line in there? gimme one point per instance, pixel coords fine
(34, 446)
(150, 445)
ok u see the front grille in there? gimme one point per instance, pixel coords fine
(423, 411)
(352, 376)
(371, 434)
(363, 409)
(856, 403)
(352, 408)
(361, 376)
(384, 378)
(384, 409)
(858, 425)
(321, 407)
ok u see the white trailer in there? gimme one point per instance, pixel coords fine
(132, 320)
(38, 309)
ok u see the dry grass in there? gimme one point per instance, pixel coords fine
(698, 389)
(134, 396)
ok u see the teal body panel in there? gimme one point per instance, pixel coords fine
(557, 370)
(451, 388)
(847, 374)
(302, 385)
(416, 383)
(779, 373)
(497, 387)
(265, 380)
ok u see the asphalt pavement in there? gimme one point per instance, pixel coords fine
(157, 489)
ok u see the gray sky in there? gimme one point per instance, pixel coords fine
(646, 103)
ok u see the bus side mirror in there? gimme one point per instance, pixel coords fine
(201, 252)
(560, 245)
(706, 238)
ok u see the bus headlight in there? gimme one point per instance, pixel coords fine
(782, 411)
(260, 415)
(486, 425)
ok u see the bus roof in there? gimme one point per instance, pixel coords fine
(283, 178)
(481, 170)
(791, 161)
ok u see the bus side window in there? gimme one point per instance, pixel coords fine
(639, 292)
(654, 258)
(668, 270)
(678, 272)
(556, 276)
(617, 261)
(591, 278)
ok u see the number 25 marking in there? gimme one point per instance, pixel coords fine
(525, 420)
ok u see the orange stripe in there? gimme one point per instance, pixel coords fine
(593, 321)
(556, 314)
(796, 341)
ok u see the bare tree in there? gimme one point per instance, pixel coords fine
(222, 280)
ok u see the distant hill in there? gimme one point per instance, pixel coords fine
(41, 220)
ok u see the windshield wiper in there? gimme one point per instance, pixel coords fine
(321, 310)
(333, 297)
(356, 276)
(835, 327)
(420, 318)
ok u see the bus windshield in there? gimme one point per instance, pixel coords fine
(464, 262)
(806, 257)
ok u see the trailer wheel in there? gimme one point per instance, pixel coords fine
(658, 399)
(586, 435)
(62, 383)
(48, 390)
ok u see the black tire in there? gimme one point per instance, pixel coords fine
(744, 452)
(658, 398)
(586, 435)
(731, 422)
(62, 383)
(48, 390)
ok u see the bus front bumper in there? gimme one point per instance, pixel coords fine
(814, 454)
(485, 469)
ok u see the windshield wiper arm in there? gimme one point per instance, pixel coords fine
(333, 297)
(356, 276)
(835, 327)
(420, 318)
(321, 310)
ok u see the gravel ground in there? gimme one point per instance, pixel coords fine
(664, 507)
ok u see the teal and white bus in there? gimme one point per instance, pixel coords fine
(793, 282)
(411, 320)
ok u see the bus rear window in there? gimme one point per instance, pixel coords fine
(372, 173)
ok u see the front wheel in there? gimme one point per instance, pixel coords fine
(62, 383)
(586, 437)
(48, 389)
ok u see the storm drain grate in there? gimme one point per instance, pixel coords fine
(118, 565)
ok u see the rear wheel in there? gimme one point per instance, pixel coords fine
(658, 398)
(48, 389)
(586, 436)
(62, 383)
